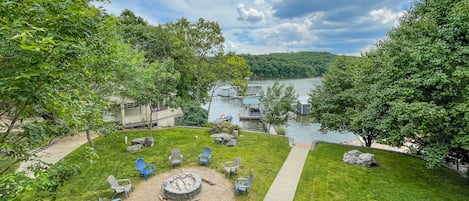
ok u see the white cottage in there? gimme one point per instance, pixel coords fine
(129, 114)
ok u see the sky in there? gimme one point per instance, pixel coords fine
(346, 27)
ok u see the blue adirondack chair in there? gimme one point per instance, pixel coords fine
(144, 169)
(242, 184)
(204, 158)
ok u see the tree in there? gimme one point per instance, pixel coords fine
(278, 102)
(41, 62)
(425, 83)
(198, 41)
(57, 60)
(344, 101)
(194, 115)
(189, 45)
(152, 85)
(230, 69)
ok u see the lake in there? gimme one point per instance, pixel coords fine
(301, 129)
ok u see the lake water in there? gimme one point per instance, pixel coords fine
(301, 129)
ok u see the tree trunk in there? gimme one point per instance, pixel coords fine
(210, 100)
(368, 140)
(88, 137)
(198, 96)
(150, 123)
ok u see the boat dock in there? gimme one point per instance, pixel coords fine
(246, 115)
(251, 109)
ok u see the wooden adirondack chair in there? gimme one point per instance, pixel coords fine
(175, 158)
(204, 158)
(242, 184)
(126, 188)
(232, 166)
(144, 169)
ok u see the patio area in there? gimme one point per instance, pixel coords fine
(221, 190)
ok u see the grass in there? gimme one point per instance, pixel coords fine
(262, 155)
(8, 162)
(397, 177)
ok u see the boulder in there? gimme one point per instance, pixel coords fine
(138, 141)
(144, 141)
(134, 147)
(149, 141)
(356, 157)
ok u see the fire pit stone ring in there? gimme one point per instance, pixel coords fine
(182, 186)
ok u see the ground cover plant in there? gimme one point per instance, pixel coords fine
(397, 177)
(90, 182)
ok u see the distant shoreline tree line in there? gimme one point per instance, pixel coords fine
(289, 65)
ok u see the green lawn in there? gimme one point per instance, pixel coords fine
(262, 155)
(397, 177)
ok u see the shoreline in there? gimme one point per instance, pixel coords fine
(358, 142)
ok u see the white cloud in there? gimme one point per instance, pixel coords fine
(259, 2)
(383, 16)
(250, 15)
(287, 34)
(265, 26)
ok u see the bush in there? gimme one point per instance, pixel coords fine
(280, 131)
(223, 127)
(194, 115)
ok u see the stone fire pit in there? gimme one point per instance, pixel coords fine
(182, 186)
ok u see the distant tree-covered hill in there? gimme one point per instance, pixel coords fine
(289, 65)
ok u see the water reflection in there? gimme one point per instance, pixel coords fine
(300, 128)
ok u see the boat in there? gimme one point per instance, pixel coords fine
(224, 117)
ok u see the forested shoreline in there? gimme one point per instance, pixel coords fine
(289, 65)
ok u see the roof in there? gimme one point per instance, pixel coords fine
(119, 100)
(251, 101)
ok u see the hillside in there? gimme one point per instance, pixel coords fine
(289, 65)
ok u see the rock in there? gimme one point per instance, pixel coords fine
(367, 160)
(148, 142)
(134, 147)
(232, 143)
(138, 141)
(356, 157)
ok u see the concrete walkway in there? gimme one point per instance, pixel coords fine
(284, 186)
(55, 152)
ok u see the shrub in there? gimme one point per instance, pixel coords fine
(194, 115)
(223, 127)
(280, 130)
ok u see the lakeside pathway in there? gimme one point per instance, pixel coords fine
(284, 186)
(56, 151)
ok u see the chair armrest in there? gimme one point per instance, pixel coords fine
(151, 165)
(169, 157)
(241, 179)
(229, 164)
(200, 155)
(118, 187)
(127, 180)
(182, 156)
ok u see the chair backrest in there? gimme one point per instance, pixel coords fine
(140, 164)
(113, 181)
(175, 154)
(249, 181)
(237, 162)
(207, 152)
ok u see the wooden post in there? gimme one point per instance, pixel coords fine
(123, 115)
